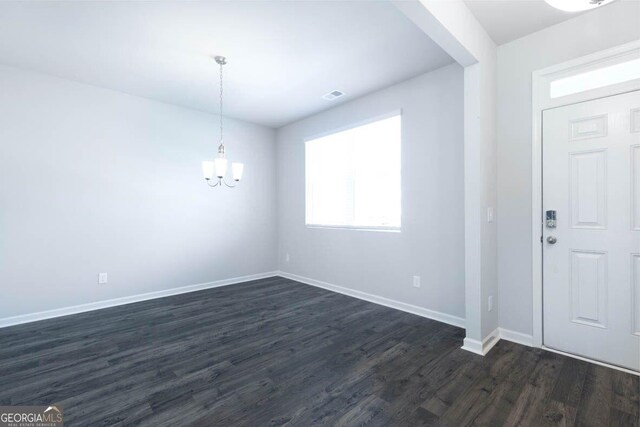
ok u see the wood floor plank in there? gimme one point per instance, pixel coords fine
(626, 393)
(568, 388)
(277, 352)
(597, 397)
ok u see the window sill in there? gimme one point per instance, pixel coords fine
(356, 228)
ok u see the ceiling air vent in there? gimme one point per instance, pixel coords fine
(333, 95)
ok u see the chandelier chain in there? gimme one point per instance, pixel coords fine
(221, 128)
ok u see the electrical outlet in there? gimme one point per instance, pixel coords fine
(416, 281)
(102, 278)
(287, 258)
(490, 303)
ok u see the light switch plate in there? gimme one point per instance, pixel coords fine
(102, 278)
(491, 214)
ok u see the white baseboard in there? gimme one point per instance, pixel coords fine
(409, 308)
(516, 337)
(484, 347)
(33, 317)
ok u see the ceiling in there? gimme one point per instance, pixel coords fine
(507, 20)
(283, 56)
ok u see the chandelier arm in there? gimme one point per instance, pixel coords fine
(215, 185)
(225, 183)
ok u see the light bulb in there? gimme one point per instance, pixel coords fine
(207, 169)
(236, 170)
(221, 166)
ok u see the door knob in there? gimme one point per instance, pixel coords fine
(551, 240)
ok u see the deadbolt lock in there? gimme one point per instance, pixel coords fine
(550, 219)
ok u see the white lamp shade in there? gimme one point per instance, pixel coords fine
(221, 167)
(207, 169)
(575, 5)
(237, 169)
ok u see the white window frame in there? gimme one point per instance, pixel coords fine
(388, 229)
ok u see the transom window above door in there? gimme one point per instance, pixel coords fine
(353, 177)
(600, 77)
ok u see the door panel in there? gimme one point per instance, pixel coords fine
(635, 120)
(589, 288)
(588, 195)
(635, 173)
(591, 272)
(589, 127)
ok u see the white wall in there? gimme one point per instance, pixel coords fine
(431, 243)
(454, 28)
(603, 28)
(93, 180)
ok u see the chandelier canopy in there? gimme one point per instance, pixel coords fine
(218, 166)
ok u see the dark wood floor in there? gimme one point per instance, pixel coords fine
(274, 352)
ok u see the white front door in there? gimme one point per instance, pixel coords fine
(591, 259)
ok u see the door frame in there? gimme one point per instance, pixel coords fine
(541, 100)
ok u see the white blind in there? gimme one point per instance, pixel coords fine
(353, 176)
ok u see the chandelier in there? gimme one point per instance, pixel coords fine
(218, 167)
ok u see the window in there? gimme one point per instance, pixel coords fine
(601, 77)
(353, 177)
